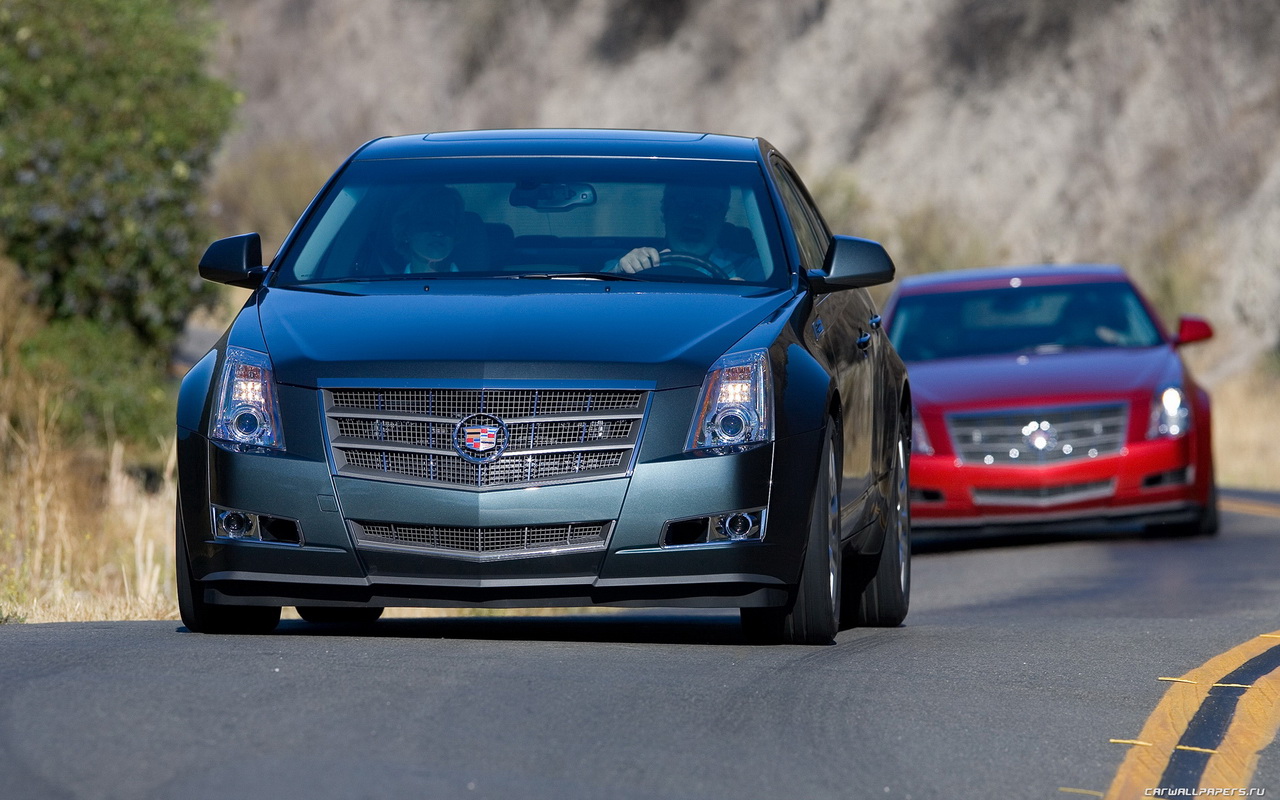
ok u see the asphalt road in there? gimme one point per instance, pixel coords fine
(1017, 667)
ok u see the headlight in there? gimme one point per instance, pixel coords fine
(1170, 415)
(735, 407)
(247, 414)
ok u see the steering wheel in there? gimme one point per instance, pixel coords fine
(687, 263)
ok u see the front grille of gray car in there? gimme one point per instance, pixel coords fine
(1035, 436)
(546, 435)
(515, 541)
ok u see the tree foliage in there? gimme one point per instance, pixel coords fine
(108, 122)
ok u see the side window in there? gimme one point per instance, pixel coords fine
(811, 236)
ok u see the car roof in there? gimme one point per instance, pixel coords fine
(567, 142)
(994, 277)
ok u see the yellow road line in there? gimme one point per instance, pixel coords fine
(1088, 792)
(1253, 726)
(1255, 507)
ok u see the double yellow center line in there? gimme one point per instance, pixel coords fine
(1212, 723)
(1209, 727)
(1240, 505)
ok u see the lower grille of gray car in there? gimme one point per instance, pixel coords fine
(530, 436)
(518, 541)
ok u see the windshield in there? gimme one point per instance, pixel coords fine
(1038, 319)
(571, 218)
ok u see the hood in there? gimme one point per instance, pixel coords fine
(1048, 378)
(508, 331)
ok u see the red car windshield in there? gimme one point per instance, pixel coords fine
(1027, 319)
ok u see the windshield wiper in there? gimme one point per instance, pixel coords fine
(596, 276)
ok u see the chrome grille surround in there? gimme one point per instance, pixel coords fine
(485, 544)
(551, 435)
(1064, 434)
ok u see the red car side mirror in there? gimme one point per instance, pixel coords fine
(1192, 329)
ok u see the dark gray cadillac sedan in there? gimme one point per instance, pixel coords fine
(550, 368)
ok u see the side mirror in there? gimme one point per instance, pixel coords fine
(1192, 329)
(235, 261)
(852, 263)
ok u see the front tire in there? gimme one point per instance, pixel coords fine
(814, 614)
(885, 598)
(1205, 523)
(203, 617)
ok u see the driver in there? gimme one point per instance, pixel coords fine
(694, 218)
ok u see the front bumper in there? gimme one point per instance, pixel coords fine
(1147, 483)
(331, 566)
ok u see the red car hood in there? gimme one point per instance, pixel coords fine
(1065, 377)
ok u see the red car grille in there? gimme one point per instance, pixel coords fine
(1036, 436)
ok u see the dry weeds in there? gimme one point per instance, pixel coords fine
(1244, 457)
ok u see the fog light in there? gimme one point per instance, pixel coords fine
(237, 525)
(738, 526)
(734, 526)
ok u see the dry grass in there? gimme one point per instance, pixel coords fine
(79, 537)
(1244, 456)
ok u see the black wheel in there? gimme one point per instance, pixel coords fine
(885, 594)
(814, 614)
(687, 263)
(337, 615)
(1205, 522)
(1209, 517)
(203, 617)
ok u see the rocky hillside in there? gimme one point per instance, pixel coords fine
(1139, 131)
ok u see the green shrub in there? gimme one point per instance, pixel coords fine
(107, 126)
(112, 386)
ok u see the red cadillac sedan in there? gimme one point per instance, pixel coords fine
(1051, 399)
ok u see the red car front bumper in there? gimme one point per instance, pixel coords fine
(1164, 481)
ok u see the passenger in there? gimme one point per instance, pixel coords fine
(694, 219)
(425, 232)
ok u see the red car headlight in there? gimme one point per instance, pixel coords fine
(1170, 415)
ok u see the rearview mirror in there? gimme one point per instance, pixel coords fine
(553, 196)
(852, 263)
(235, 261)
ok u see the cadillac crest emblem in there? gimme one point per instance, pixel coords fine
(480, 438)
